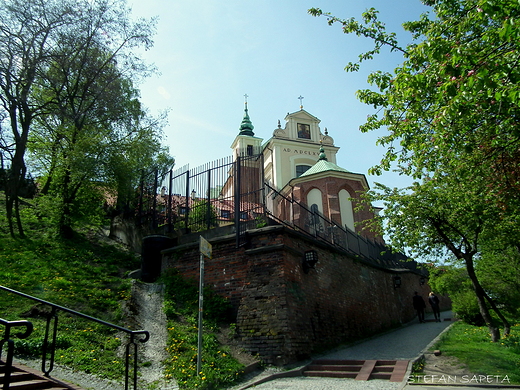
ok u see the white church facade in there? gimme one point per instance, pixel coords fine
(300, 162)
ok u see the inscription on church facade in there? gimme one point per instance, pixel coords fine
(300, 151)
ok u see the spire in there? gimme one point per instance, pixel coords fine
(246, 127)
(323, 156)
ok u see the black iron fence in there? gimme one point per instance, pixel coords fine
(224, 192)
(232, 191)
(51, 336)
(299, 216)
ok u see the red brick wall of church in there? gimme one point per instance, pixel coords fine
(330, 188)
(284, 314)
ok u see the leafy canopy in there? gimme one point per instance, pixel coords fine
(451, 111)
(451, 108)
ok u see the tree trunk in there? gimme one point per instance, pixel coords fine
(481, 298)
(505, 322)
(14, 179)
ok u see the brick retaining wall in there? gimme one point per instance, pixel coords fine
(284, 314)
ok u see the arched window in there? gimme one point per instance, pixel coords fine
(345, 207)
(301, 169)
(314, 197)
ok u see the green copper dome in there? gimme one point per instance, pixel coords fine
(246, 127)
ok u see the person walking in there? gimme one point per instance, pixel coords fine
(434, 303)
(419, 306)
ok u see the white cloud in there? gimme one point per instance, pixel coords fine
(164, 93)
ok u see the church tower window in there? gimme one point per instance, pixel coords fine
(301, 169)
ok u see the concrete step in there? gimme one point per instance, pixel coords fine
(363, 370)
(25, 378)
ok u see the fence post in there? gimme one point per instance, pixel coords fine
(170, 211)
(237, 199)
(154, 201)
(141, 191)
(208, 200)
(187, 208)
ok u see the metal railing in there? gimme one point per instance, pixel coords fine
(299, 216)
(233, 191)
(10, 345)
(51, 331)
(223, 192)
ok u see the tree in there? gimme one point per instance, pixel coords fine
(27, 33)
(92, 113)
(86, 104)
(95, 133)
(452, 114)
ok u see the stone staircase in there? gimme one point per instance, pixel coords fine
(362, 370)
(25, 378)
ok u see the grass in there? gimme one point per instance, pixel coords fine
(89, 277)
(219, 369)
(472, 346)
(79, 274)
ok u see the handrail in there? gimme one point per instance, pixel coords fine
(55, 308)
(329, 231)
(10, 345)
(11, 324)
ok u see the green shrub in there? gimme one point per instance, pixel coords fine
(465, 304)
(34, 346)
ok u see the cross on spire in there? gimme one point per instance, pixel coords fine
(301, 101)
(246, 96)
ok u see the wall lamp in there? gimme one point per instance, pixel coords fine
(397, 281)
(422, 280)
(310, 258)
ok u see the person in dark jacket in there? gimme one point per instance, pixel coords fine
(419, 306)
(434, 303)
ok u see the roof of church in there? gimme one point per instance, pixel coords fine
(323, 165)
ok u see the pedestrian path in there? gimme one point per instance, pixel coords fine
(405, 343)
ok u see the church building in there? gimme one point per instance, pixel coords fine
(289, 251)
(300, 162)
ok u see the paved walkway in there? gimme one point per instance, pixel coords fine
(406, 343)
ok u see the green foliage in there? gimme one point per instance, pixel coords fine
(470, 344)
(201, 215)
(81, 274)
(455, 282)
(34, 346)
(450, 111)
(219, 368)
(465, 304)
(418, 365)
(74, 109)
(503, 281)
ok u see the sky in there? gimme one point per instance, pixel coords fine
(210, 53)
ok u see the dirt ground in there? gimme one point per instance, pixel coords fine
(442, 364)
(444, 369)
